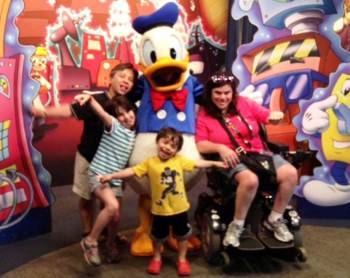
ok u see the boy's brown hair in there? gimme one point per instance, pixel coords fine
(123, 66)
(171, 133)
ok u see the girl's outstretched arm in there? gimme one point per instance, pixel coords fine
(127, 172)
(96, 107)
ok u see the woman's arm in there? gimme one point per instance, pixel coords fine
(96, 107)
(125, 173)
(206, 146)
(228, 156)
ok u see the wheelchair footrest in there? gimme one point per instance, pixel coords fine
(249, 242)
(267, 238)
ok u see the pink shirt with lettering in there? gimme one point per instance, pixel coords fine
(208, 128)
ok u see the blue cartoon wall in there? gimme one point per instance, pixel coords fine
(298, 63)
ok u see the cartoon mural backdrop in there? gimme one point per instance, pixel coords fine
(85, 39)
(24, 184)
(52, 50)
(289, 62)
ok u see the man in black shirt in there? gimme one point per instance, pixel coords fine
(122, 80)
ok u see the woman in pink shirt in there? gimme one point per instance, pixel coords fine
(242, 116)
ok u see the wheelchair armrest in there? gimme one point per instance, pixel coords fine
(211, 156)
(277, 147)
(299, 156)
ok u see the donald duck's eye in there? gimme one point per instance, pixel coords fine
(173, 53)
(149, 53)
(153, 56)
(176, 49)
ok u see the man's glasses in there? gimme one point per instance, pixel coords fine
(222, 78)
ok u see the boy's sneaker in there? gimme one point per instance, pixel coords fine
(232, 235)
(183, 268)
(121, 239)
(279, 229)
(113, 255)
(154, 267)
(90, 253)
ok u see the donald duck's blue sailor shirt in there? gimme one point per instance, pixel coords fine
(149, 120)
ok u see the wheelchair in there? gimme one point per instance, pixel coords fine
(215, 211)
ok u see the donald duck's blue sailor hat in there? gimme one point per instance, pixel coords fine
(166, 15)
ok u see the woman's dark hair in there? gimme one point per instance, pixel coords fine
(173, 135)
(119, 101)
(217, 80)
(124, 66)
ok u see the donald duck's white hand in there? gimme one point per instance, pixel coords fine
(316, 118)
(251, 93)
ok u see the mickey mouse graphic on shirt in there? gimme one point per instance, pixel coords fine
(168, 178)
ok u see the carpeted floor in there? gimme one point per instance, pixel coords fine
(328, 250)
(58, 254)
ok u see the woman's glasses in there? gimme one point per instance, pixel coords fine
(222, 78)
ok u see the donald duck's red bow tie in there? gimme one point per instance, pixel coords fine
(178, 99)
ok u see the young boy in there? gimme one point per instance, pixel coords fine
(168, 196)
(112, 155)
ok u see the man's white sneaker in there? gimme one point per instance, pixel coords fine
(232, 235)
(279, 229)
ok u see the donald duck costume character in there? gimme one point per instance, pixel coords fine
(167, 92)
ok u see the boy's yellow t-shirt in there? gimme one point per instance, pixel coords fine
(168, 194)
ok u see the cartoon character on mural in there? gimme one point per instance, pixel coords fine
(25, 196)
(325, 122)
(290, 65)
(288, 57)
(168, 94)
(39, 72)
(87, 55)
(342, 26)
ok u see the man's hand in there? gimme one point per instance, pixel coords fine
(37, 109)
(82, 99)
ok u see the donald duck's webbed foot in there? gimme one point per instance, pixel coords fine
(141, 245)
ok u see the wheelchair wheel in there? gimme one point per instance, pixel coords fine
(211, 241)
(298, 239)
(301, 254)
